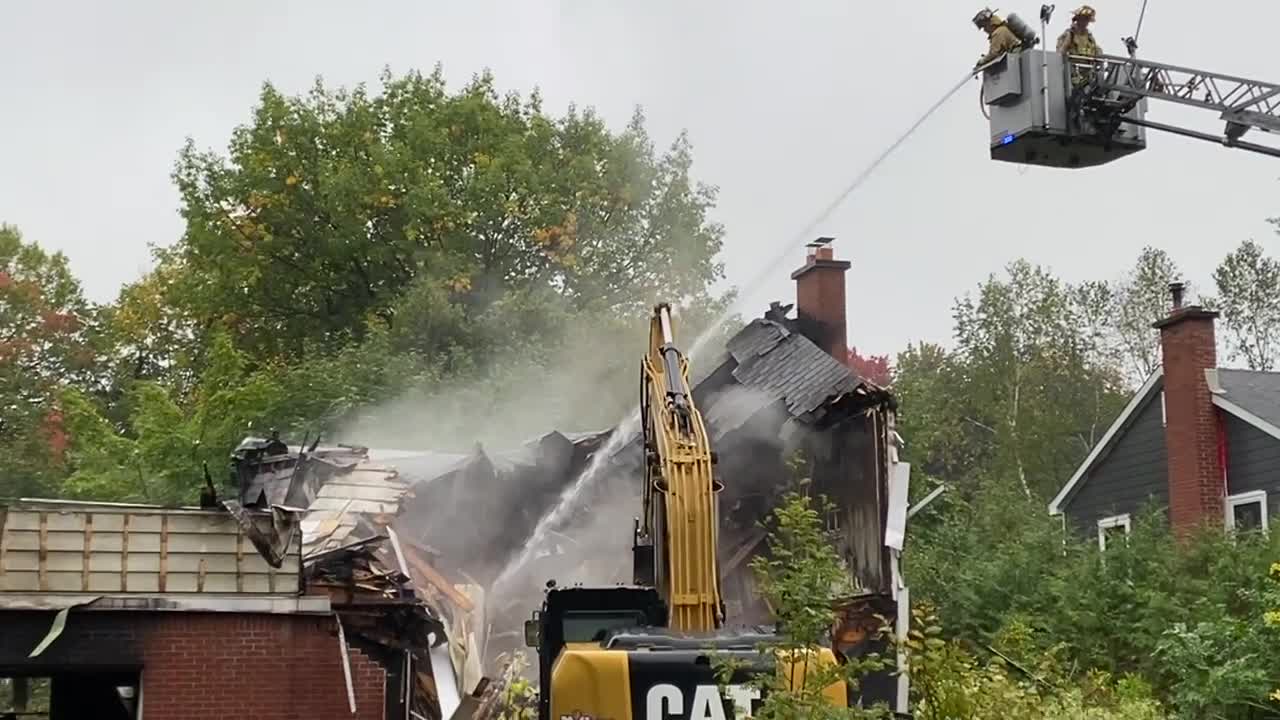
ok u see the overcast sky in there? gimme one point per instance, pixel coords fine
(785, 103)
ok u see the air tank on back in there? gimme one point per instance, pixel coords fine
(1024, 32)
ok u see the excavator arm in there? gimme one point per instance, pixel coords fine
(643, 651)
(676, 542)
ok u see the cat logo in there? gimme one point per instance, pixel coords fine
(667, 702)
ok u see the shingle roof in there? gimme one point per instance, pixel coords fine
(786, 365)
(1257, 392)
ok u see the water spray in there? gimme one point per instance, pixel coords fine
(630, 424)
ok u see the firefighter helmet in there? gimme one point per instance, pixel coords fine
(983, 17)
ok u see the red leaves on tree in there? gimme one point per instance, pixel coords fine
(59, 322)
(55, 431)
(873, 368)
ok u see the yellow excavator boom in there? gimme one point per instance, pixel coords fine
(643, 651)
(680, 514)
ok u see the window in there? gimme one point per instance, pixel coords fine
(1110, 528)
(596, 626)
(1247, 512)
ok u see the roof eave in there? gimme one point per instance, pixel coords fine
(1244, 415)
(1055, 506)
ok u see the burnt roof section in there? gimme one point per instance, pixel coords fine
(773, 358)
(1255, 391)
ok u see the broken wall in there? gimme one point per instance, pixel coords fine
(844, 463)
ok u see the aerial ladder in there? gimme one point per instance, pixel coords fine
(645, 651)
(1039, 116)
(1120, 83)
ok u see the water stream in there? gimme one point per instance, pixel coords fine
(630, 424)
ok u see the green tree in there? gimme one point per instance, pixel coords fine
(1141, 297)
(47, 342)
(328, 208)
(156, 451)
(1029, 377)
(935, 414)
(1248, 285)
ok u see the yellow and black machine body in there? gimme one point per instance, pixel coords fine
(648, 651)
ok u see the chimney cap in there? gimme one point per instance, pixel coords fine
(1181, 311)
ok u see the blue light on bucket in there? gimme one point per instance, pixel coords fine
(1006, 140)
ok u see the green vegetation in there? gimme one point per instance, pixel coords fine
(799, 579)
(1187, 622)
(446, 257)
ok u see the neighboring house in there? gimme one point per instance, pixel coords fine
(1199, 440)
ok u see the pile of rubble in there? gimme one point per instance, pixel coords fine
(396, 542)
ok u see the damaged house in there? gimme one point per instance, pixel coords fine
(295, 599)
(124, 611)
(349, 581)
(782, 386)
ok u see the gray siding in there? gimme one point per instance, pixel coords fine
(1253, 462)
(1128, 477)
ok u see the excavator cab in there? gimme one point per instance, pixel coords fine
(581, 620)
(608, 653)
(1040, 117)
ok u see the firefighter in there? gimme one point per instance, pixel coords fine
(1077, 40)
(1002, 38)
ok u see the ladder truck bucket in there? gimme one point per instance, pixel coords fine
(1036, 119)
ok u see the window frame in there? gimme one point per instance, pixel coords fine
(1245, 498)
(1110, 522)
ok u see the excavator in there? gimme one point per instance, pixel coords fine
(646, 651)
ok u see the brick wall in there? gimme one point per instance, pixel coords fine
(820, 302)
(1196, 487)
(208, 665)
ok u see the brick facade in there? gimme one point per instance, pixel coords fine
(207, 665)
(1196, 480)
(820, 302)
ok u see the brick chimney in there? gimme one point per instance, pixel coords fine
(1196, 480)
(820, 308)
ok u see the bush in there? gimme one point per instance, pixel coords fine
(949, 682)
(1185, 618)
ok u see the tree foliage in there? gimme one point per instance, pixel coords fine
(1186, 619)
(48, 341)
(1025, 392)
(875, 368)
(329, 208)
(1248, 284)
(1141, 297)
(417, 266)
